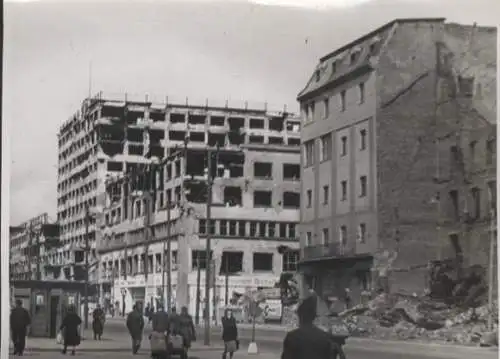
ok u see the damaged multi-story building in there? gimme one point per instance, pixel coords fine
(255, 207)
(31, 242)
(379, 115)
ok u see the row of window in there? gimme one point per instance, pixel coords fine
(309, 109)
(326, 147)
(248, 228)
(363, 190)
(342, 235)
(490, 150)
(473, 207)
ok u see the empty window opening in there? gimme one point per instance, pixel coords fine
(455, 245)
(115, 166)
(236, 123)
(294, 141)
(253, 229)
(362, 233)
(232, 196)
(466, 86)
(334, 66)
(111, 111)
(326, 107)
(177, 118)
(262, 199)
(343, 190)
(256, 139)
(216, 139)
(354, 56)
(156, 116)
(263, 170)
(256, 123)
(195, 163)
(342, 100)
(263, 229)
(293, 126)
(290, 260)
(199, 259)
(277, 124)
(217, 121)
(454, 204)
(363, 186)
(156, 135)
(276, 140)
(271, 230)
(177, 168)
(231, 263)
(476, 202)
(242, 228)
(177, 135)
(232, 228)
(343, 144)
(309, 198)
(223, 228)
(196, 192)
(134, 117)
(317, 74)
(490, 151)
(291, 200)
(196, 119)
(326, 194)
(197, 136)
(263, 262)
(291, 172)
(361, 89)
(282, 230)
(362, 139)
(135, 135)
(137, 150)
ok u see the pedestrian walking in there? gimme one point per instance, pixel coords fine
(158, 337)
(229, 334)
(70, 330)
(98, 320)
(307, 341)
(173, 321)
(186, 329)
(135, 326)
(19, 322)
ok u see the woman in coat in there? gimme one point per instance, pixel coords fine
(98, 319)
(229, 334)
(70, 330)
(135, 326)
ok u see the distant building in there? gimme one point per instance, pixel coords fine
(374, 115)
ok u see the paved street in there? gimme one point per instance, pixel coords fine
(269, 339)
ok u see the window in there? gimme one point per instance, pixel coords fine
(326, 194)
(326, 104)
(263, 229)
(271, 230)
(232, 228)
(343, 235)
(291, 200)
(362, 139)
(291, 172)
(343, 190)
(202, 226)
(318, 75)
(262, 262)
(362, 232)
(282, 230)
(354, 56)
(242, 228)
(472, 151)
(326, 147)
(211, 226)
(342, 100)
(326, 235)
(290, 260)
(309, 153)
(492, 195)
(291, 231)
(343, 144)
(199, 258)
(253, 229)
(454, 204)
(223, 228)
(263, 170)
(311, 111)
(361, 88)
(309, 198)
(362, 182)
(334, 66)
(490, 151)
(476, 202)
(262, 199)
(308, 239)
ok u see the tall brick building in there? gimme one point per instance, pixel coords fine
(376, 115)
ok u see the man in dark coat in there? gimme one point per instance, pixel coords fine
(135, 326)
(98, 319)
(229, 334)
(160, 320)
(19, 322)
(307, 341)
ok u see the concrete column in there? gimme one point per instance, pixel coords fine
(184, 260)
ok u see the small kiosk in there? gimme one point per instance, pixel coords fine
(47, 302)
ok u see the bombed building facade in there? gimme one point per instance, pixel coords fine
(379, 118)
(255, 196)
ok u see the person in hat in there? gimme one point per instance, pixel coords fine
(307, 341)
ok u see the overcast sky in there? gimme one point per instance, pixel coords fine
(216, 50)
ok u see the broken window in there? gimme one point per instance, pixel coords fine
(276, 140)
(291, 172)
(282, 230)
(309, 198)
(476, 202)
(466, 86)
(176, 135)
(457, 248)
(195, 163)
(454, 204)
(291, 231)
(231, 262)
(263, 170)
(242, 228)
(199, 259)
(271, 230)
(197, 136)
(111, 111)
(277, 124)
(291, 200)
(156, 116)
(253, 229)
(294, 141)
(262, 199)
(231, 164)
(223, 228)
(232, 196)
(235, 134)
(135, 135)
(256, 123)
(177, 118)
(232, 228)
(217, 121)
(290, 260)
(211, 226)
(256, 139)
(216, 139)
(196, 119)
(263, 262)
(196, 191)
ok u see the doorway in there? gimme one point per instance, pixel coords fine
(54, 306)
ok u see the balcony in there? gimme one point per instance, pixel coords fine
(328, 251)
